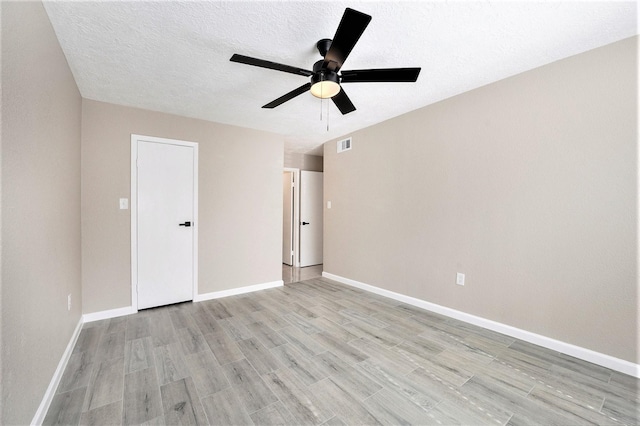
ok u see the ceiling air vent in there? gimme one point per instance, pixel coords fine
(344, 145)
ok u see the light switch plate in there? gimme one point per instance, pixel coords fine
(124, 203)
(328, 204)
(459, 278)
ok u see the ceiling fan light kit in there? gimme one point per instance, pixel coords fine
(326, 77)
(326, 88)
(324, 83)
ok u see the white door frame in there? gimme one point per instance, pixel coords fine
(288, 210)
(134, 211)
(296, 214)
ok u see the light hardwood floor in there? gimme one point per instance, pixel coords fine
(318, 352)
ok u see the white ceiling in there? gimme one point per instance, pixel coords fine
(173, 56)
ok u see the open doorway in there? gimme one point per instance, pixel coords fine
(302, 195)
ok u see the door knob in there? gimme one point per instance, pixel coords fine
(187, 224)
(305, 223)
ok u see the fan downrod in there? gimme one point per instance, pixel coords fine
(323, 46)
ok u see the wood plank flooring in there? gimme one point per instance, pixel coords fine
(318, 352)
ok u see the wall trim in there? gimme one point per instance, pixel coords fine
(128, 310)
(38, 418)
(585, 354)
(236, 291)
(111, 313)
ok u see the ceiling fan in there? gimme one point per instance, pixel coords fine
(327, 75)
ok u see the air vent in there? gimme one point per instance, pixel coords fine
(344, 145)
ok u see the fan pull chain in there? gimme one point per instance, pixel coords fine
(321, 99)
(321, 105)
(328, 115)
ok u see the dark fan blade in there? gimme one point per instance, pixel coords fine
(292, 94)
(351, 27)
(343, 102)
(385, 75)
(270, 65)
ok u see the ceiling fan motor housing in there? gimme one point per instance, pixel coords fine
(323, 74)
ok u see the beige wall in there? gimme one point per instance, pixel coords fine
(303, 161)
(41, 109)
(240, 201)
(528, 186)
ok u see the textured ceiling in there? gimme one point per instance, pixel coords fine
(174, 56)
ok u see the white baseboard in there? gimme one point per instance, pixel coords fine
(119, 312)
(604, 360)
(235, 291)
(111, 313)
(38, 418)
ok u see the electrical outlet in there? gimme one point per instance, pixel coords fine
(68, 302)
(459, 278)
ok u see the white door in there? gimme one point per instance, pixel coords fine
(310, 218)
(287, 218)
(165, 205)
